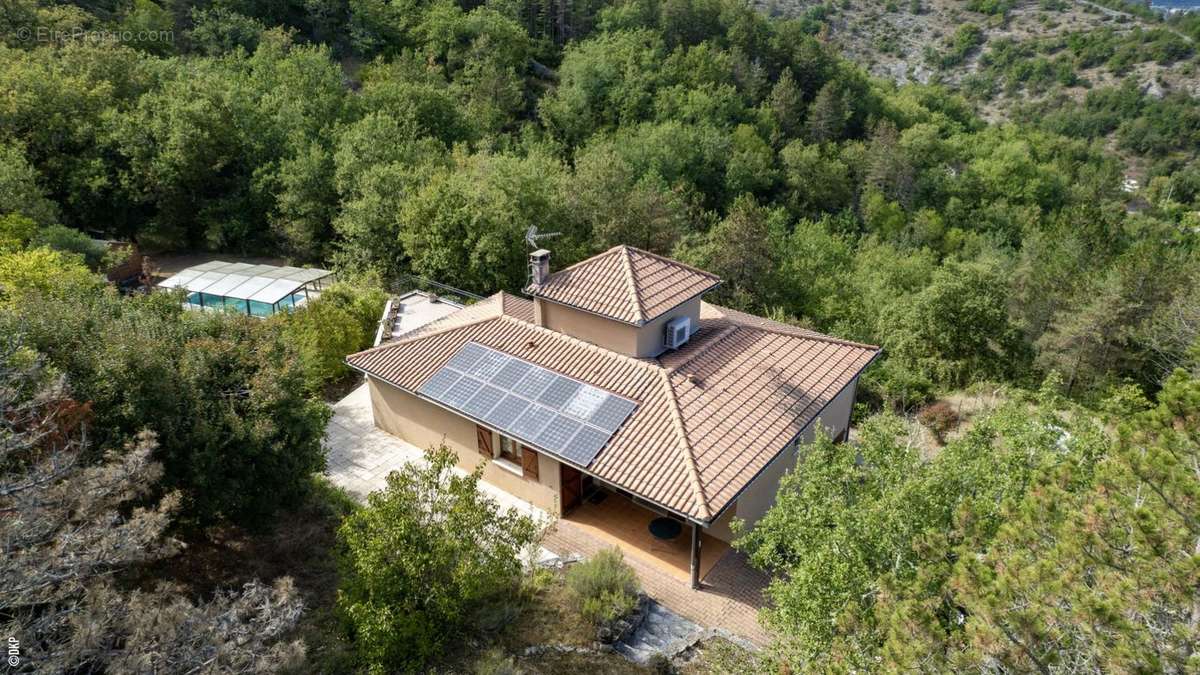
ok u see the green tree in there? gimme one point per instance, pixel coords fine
(20, 192)
(786, 104)
(604, 83)
(306, 203)
(466, 226)
(816, 184)
(828, 116)
(426, 552)
(1092, 567)
(863, 539)
(742, 249)
(239, 432)
(958, 327)
(338, 323)
(618, 206)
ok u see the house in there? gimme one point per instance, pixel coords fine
(617, 378)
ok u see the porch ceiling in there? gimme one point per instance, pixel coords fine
(619, 522)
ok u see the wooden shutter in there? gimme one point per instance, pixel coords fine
(529, 463)
(483, 436)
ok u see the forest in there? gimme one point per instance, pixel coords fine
(391, 139)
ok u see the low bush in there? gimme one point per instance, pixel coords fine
(607, 587)
(340, 322)
(495, 662)
(422, 559)
(940, 418)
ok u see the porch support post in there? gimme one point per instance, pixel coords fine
(695, 556)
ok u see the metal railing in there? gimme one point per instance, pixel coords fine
(408, 282)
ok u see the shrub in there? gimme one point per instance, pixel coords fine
(495, 662)
(940, 418)
(69, 240)
(238, 434)
(607, 587)
(340, 322)
(421, 558)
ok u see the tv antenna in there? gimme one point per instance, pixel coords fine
(532, 235)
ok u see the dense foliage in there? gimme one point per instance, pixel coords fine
(422, 556)
(1035, 541)
(343, 320)
(71, 527)
(680, 126)
(238, 431)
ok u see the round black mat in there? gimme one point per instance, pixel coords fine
(665, 528)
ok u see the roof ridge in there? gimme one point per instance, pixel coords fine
(631, 279)
(781, 329)
(685, 446)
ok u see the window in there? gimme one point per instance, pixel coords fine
(510, 450)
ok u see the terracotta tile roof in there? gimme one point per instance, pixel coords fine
(626, 284)
(710, 415)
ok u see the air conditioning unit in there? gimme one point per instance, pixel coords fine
(679, 330)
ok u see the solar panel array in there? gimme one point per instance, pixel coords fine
(556, 413)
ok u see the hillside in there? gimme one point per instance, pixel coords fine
(1000, 56)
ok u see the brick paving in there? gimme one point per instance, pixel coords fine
(730, 597)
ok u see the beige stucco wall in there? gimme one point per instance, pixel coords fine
(644, 341)
(760, 495)
(614, 335)
(650, 337)
(426, 425)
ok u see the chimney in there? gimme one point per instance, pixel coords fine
(539, 267)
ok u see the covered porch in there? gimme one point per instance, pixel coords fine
(617, 519)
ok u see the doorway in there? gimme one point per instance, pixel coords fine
(571, 488)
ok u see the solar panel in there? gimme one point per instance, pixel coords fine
(587, 443)
(466, 357)
(586, 401)
(458, 394)
(511, 373)
(483, 400)
(534, 383)
(489, 364)
(612, 413)
(436, 386)
(507, 411)
(559, 392)
(555, 436)
(558, 414)
(532, 421)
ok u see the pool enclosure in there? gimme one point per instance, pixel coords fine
(257, 290)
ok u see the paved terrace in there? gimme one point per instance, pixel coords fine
(360, 456)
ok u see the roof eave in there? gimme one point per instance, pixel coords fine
(656, 503)
(733, 500)
(531, 290)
